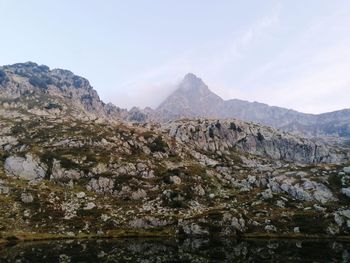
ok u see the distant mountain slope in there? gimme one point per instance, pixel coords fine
(194, 99)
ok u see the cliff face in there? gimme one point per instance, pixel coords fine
(225, 135)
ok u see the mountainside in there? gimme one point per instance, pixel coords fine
(194, 99)
(68, 172)
(30, 86)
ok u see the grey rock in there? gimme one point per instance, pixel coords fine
(346, 170)
(101, 185)
(139, 194)
(89, 206)
(267, 194)
(27, 198)
(175, 180)
(210, 136)
(270, 228)
(194, 230)
(28, 168)
(346, 191)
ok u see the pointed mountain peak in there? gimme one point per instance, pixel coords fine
(192, 83)
(190, 77)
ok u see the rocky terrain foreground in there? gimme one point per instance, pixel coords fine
(70, 167)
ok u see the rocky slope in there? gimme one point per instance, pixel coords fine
(66, 173)
(194, 99)
(29, 85)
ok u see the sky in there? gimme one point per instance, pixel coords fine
(293, 53)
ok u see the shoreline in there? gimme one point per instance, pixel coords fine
(119, 234)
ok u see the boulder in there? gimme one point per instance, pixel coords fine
(28, 167)
(346, 191)
(27, 198)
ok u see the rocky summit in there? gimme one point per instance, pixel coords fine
(72, 166)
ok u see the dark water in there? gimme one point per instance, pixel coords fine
(189, 250)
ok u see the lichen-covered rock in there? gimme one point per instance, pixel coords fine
(27, 198)
(101, 185)
(28, 168)
(59, 173)
(139, 194)
(194, 229)
(212, 136)
(346, 191)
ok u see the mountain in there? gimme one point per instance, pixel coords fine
(36, 87)
(193, 98)
(72, 166)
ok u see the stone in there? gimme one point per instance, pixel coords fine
(58, 172)
(195, 230)
(4, 189)
(270, 228)
(27, 198)
(27, 168)
(345, 213)
(81, 195)
(100, 168)
(139, 194)
(238, 224)
(89, 206)
(267, 194)
(175, 180)
(338, 219)
(346, 170)
(280, 203)
(198, 189)
(101, 185)
(346, 191)
(319, 208)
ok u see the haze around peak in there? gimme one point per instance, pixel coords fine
(289, 54)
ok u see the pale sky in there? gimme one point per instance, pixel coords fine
(293, 54)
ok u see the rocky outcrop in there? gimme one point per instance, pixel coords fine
(61, 88)
(28, 167)
(224, 136)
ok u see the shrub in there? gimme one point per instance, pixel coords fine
(233, 126)
(38, 82)
(211, 132)
(158, 145)
(53, 106)
(260, 137)
(77, 82)
(218, 125)
(3, 77)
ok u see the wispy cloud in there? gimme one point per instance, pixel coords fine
(208, 62)
(309, 71)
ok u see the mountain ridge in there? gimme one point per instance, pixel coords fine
(184, 104)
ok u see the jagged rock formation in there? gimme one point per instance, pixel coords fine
(34, 87)
(65, 171)
(222, 136)
(194, 99)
